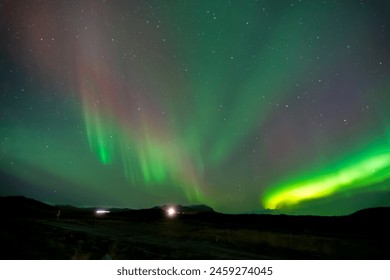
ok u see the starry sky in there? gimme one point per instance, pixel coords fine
(246, 106)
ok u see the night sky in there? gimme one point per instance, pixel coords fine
(241, 105)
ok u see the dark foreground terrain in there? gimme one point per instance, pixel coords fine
(32, 231)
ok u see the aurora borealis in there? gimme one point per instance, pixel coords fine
(240, 105)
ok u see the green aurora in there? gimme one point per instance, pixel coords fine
(245, 106)
(356, 173)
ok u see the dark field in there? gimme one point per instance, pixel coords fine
(33, 232)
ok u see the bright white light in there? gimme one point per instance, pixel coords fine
(171, 212)
(101, 212)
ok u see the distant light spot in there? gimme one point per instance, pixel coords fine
(171, 212)
(101, 212)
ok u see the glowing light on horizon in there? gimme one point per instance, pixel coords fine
(171, 212)
(102, 212)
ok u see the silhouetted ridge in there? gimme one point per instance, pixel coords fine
(378, 212)
(20, 206)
